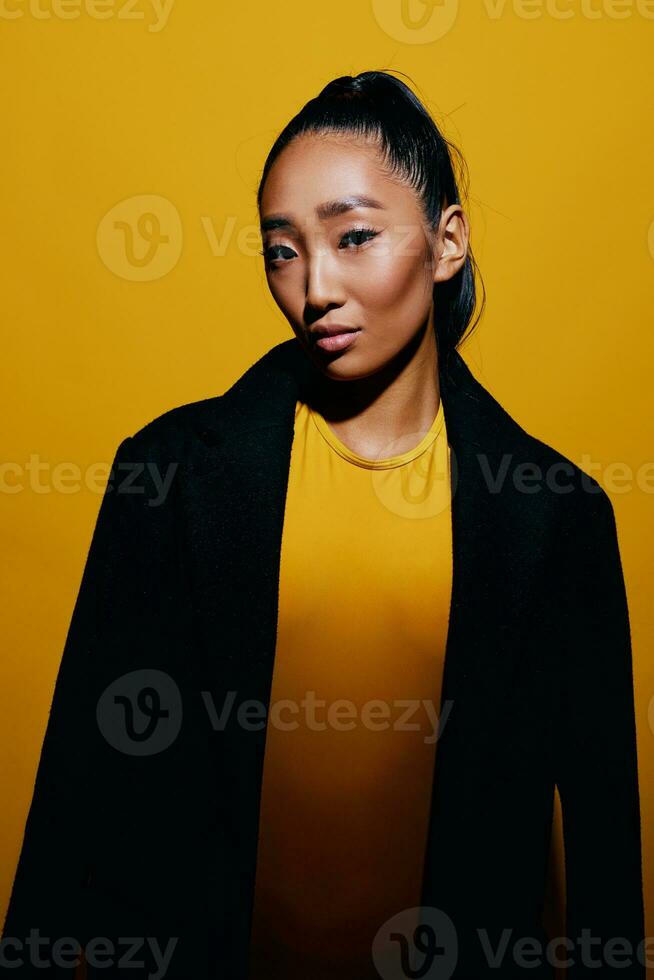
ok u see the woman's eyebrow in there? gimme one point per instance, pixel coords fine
(343, 204)
(327, 210)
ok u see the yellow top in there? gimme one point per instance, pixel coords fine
(364, 600)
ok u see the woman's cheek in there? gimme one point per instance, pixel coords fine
(287, 295)
(395, 281)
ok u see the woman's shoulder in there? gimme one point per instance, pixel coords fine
(180, 434)
(507, 448)
(188, 427)
(557, 480)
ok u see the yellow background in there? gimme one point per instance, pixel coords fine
(115, 106)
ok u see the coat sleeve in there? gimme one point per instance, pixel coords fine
(113, 621)
(596, 766)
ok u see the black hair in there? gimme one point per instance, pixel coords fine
(379, 107)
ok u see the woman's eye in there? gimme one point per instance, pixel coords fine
(358, 236)
(277, 252)
(354, 238)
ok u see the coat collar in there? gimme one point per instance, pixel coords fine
(267, 392)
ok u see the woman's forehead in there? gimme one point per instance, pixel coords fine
(312, 178)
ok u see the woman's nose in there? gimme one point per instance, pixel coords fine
(324, 286)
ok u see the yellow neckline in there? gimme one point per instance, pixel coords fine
(383, 463)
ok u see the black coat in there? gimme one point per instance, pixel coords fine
(150, 831)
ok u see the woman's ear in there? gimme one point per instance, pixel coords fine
(451, 246)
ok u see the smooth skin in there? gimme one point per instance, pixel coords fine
(372, 267)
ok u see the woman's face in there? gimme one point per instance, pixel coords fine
(346, 245)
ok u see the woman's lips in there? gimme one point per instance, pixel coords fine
(337, 341)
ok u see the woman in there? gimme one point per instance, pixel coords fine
(355, 516)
